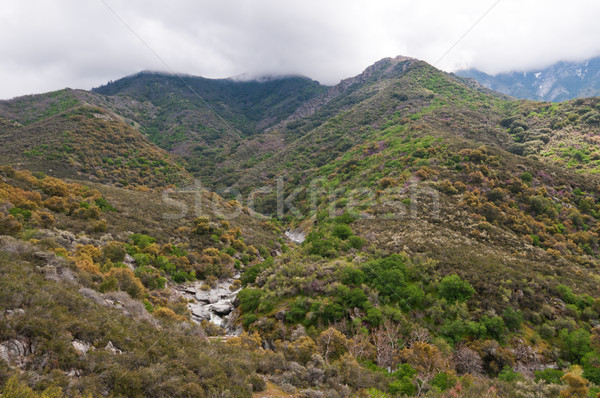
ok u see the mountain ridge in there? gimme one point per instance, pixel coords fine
(446, 239)
(558, 82)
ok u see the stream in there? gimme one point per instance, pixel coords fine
(217, 304)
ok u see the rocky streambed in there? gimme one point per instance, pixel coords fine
(215, 305)
(296, 236)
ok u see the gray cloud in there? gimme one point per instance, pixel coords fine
(48, 45)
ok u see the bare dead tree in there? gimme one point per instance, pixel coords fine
(418, 334)
(385, 340)
(467, 360)
(359, 346)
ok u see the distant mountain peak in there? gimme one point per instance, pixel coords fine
(558, 82)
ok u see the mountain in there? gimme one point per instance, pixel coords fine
(558, 82)
(407, 232)
(201, 119)
(60, 134)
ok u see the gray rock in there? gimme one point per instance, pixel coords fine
(221, 308)
(12, 313)
(190, 290)
(15, 351)
(82, 347)
(199, 313)
(296, 236)
(206, 296)
(111, 347)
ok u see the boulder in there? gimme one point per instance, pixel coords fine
(111, 347)
(15, 351)
(221, 308)
(81, 346)
(199, 313)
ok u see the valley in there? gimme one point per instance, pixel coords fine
(407, 232)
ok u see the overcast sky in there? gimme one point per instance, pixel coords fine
(51, 44)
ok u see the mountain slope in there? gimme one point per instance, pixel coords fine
(203, 119)
(445, 243)
(558, 82)
(84, 141)
(403, 92)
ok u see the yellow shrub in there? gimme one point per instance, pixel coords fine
(127, 282)
(43, 219)
(167, 314)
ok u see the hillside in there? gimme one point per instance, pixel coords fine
(558, 82)
(72, 139)
(420, 167)
(204, 120)
(445, 239)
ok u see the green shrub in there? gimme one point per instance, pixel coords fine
(114, 251)
(345, 218)
(180, 277)
(250, 299)
(298, 310)
(250, 274)
(388, 276)
(164, 264)
(352, 298)
(342, 231)
(324, 248)
(546, 331)
(258, 383)
(374, 316)
(512, 319)
(526, 177)
(549, 375)
(16, 212)
(575, 344)
(150, 278)
(356, 242)
(403, 383)
(332, 312)
(104, 205)
(142, 241)
(352, 276)
(444, 381)
(249, 320)
(494, 327)
(142, 259)
(454, 289)
(567, 295)
(591, 366)
(509, 375)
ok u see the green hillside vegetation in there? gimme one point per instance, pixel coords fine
(564, 134)
(205, 120)
(451, 238)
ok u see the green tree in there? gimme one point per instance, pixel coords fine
(512, 319)
(591, 366)
(494, 326)
(575, 344)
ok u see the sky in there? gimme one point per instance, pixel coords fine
(52, 44)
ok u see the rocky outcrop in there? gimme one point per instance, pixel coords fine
(214, 305)
(16, 351)
(296, 236)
